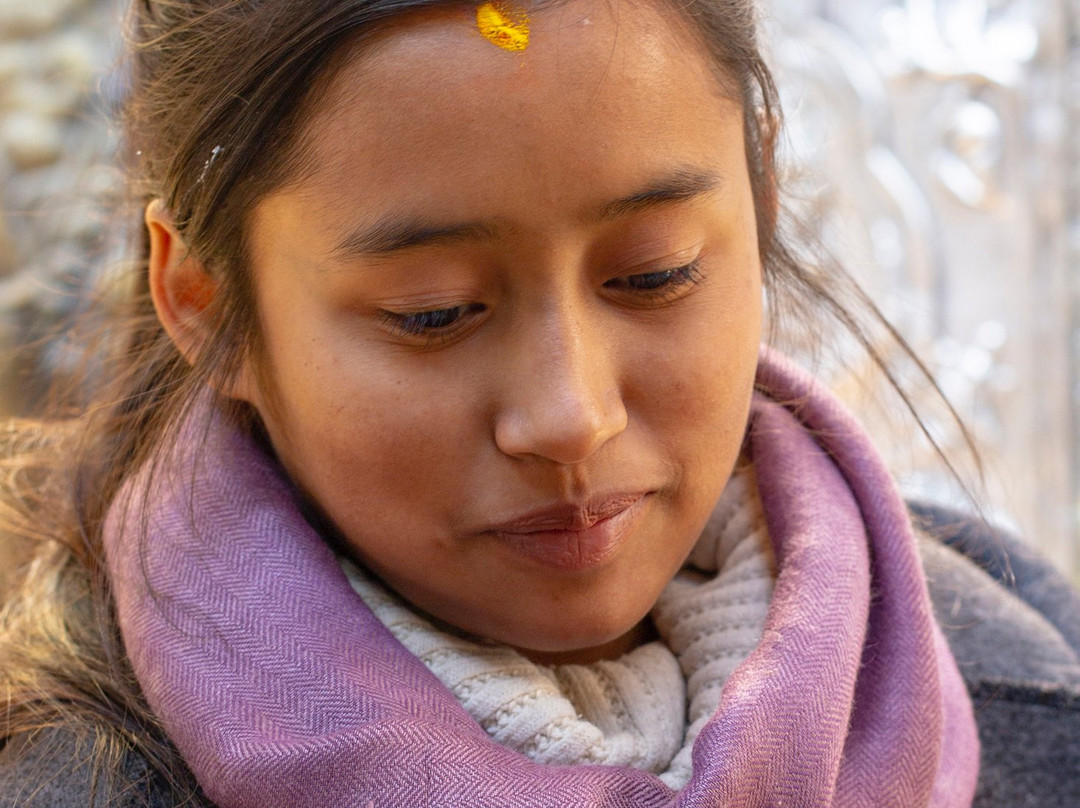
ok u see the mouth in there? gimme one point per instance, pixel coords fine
(573, 536)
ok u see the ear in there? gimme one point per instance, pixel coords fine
(180, 286)
(769, 126)
(183, 292)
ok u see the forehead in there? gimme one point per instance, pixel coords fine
(559, 34)
(429, 108)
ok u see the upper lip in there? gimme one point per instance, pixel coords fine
(578, 515)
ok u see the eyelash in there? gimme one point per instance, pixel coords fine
(663, 285)
(436, 324)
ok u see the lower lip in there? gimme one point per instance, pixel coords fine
(574, 550)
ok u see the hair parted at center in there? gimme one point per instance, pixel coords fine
(218, 93)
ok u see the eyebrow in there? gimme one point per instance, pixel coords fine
(397, 233)
(681, 185)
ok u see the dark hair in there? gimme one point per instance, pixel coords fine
(218, 92)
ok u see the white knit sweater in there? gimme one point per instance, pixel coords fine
(644, 709)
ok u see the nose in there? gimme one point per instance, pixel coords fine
(562, 399)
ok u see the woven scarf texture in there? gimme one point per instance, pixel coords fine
(281, 688)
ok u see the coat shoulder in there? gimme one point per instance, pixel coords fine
(1013, 624)
(59, 767)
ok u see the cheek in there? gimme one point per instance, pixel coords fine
(701, 371)
(694, 390)
(347, 425)
(377, 423)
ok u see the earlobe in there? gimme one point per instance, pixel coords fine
(180, 286)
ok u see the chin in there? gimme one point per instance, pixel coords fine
(584, 648)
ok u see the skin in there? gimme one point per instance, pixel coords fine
(545, 348)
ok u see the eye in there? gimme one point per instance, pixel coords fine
(433, 323)
(664, 284)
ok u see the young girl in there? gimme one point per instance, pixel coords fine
(437, 461)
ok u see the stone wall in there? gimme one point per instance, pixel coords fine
(55, 175)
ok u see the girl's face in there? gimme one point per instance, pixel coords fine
(512, 316)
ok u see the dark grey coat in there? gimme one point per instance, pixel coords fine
(1013, 624)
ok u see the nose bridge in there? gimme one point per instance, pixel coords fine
(563, 399)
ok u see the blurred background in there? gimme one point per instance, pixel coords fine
(933, 145)
(936, 145)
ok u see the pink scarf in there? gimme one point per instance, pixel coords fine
(280, 688)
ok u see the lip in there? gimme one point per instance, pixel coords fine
(572, 536)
